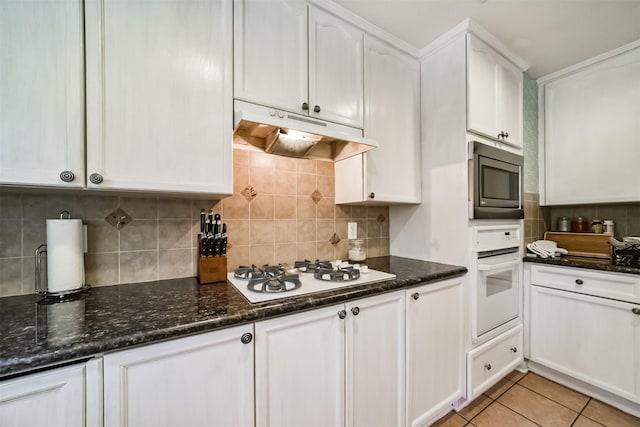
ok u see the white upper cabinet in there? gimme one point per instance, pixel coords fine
(270, 53)
(494, 94)
(391, 172)
(592, 124)
(335, 69)
(298, 58)
(41, 93)
(159, 113)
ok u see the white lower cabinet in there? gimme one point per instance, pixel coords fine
(489, 363)
(202, 380)
(300, 365)
(48, 399)
(435, 351)
(592, 339)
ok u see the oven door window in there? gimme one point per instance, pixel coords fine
(498, 292)
(499, 184)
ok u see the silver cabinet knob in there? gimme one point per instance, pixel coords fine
(67, 176)
(579, 282)
(506, 134)
(96, 178)
(372, 195)
(636, 311)
(342, 314)
(415, 296)
(305, 106)
(316, 108)
(246, 338)
(487, 366)
(514, 349)
(355, 310)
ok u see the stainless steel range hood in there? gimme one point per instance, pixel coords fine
(294, 135)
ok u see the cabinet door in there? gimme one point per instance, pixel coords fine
(483, 69)
(392, 87)
(511, 102)
(375, 344)
(52, 398)
(592, 123)
(204, 380)
(435, 352)
(596, 340)
(41, 92)
(270, 53)
(159, 95)
(300, 370)
(335, 69)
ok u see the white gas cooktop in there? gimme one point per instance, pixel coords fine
(309, 285)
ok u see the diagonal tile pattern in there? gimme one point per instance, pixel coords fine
(531, 400)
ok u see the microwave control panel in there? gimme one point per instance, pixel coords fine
(489, 238)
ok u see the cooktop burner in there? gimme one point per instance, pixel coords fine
(342, 274)
(253, 272)
(268, 278)
(307, 266)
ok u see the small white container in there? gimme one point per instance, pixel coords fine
(609, 226)
(357, 251)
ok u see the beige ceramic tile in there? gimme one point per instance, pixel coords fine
(140, 208)
(499, 388)
(240, 178)
(374, 247)
(529, 225)
(286, 207)
(262, 231)
(306, 207)
(262, 207)
(10, 206)
(34, 234)
(175, 233)
(241, 157)
(306, 230)
(384, 229)
(174, 208)
(325, 251)
(285, 164)
(608, 415)
(343, 211)
(238, 231)
(173, 264)
(261, 160)
(141, 234)
(373, 229)
(326, 208)
(385, 248)
(528, 209)
(79, 207)
(306, 250)
(10, 276)
(583, 421)
(342, 249)
(450, 420)
(285, 183)
(497, 415)
(341, 228)
(475, 407)
(325, 168)
(326, 185)
(138, 266)
(537, 408)
(306, 184)
(307, 166)
(285, 253)
(326, 228)
(359, 212)
(238, 255)
(515, 376)
(235, 207)
(262, 254)
(101, 236)
(362, 228)
(10, 238)
(29, 275)
(285, 230)
(101, 269)
(262, 180)
(554, 391)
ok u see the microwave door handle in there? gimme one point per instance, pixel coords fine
(491, 267)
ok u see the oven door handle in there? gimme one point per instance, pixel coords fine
(491, 267)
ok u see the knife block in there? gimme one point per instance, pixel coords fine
(212, 269)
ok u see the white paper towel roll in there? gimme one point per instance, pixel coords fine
(65, 254)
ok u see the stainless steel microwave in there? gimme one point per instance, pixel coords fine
(495, 183)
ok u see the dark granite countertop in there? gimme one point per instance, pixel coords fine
(583, 263)
(35, 336)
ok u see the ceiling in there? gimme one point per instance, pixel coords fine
(548, 34)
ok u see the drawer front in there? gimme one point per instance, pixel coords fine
(489, 363)
(623, 287)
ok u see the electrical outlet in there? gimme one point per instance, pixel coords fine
(352, 230)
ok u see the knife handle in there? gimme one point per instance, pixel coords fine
(203, 216)
(223, 249)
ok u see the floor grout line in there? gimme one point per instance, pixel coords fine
(513, 410)
(555, 401)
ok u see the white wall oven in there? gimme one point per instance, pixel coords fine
(496, 282)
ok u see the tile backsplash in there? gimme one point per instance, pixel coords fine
(625, 216)
(534, 222)
(281, 210)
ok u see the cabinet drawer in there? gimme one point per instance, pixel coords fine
(608, 285)
(490, 362)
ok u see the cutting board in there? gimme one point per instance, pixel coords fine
(582, 244)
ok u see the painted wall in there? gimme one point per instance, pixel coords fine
(530, 134)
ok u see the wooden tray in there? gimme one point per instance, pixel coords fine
(582, 244)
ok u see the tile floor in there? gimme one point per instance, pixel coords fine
(531, 400)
